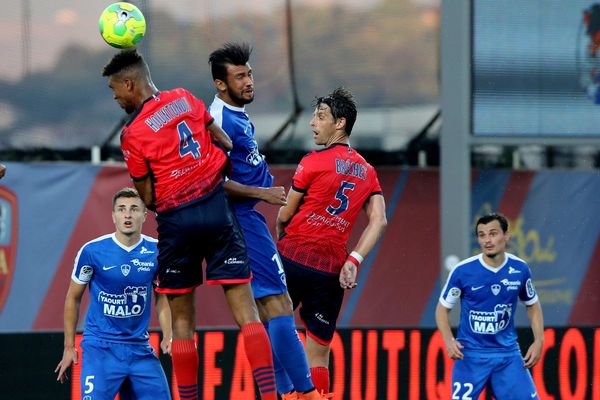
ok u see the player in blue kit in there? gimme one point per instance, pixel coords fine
(250, 182)
(488, 287)
(119, 269)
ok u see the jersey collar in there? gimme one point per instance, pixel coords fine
(126, 248)
(220, 101)
(139, 109)
(490, 268)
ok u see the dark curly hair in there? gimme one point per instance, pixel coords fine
(124, 61)
(342, 105)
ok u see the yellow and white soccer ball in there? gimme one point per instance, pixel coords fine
(122, 25)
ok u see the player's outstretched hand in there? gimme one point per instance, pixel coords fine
(165, 346)
(453, 348)
(533, 355)
(348, 276)
(274, 195)
(69, 357)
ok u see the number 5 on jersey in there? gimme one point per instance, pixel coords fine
(187, 144)
(342, 198)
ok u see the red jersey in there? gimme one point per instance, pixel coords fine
(336, 182)
(167, 139)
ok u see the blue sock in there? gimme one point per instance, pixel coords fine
(289, 351)
(282, 380)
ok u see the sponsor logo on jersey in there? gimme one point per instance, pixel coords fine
(496, 289)
(8, 241)
(138, 263)
(476, 288)
(105, 268)
(144, 250)
(125, 268)
(131, 303)
(511, 285)
(512, 270)
(490, 322)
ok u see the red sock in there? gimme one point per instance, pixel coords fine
(258, 351)
(320, 378)
(185, 365)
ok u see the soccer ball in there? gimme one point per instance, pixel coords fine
(122, 25)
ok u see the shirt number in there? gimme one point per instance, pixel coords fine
(342, 198)
(187, 144)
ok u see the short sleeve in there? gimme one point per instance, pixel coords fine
(528, 294)
(452, 291)
(132, 153)
(83, 269)
(302, 177)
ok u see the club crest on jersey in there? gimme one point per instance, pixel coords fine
(496, 289)
(8, 241)
(125, 268)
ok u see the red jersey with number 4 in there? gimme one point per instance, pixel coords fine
(168, 140)
(336, 182)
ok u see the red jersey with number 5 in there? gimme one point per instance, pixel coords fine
(336, 182)
(167, 140)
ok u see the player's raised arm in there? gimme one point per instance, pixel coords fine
(71, 317)
(272, 195)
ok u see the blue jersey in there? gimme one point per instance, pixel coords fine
(120, 282)
(249, 166)
(488, 300)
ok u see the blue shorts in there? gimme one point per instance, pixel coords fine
(268, 276)
(319, 296)
(107, 366)
(506, 375)
(204, 230)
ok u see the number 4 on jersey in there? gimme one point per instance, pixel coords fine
(187, 144)
(342, 198)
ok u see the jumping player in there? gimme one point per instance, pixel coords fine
(250, 183)
(329, 189)
(119, 269)
(488, 287)
(175, 157)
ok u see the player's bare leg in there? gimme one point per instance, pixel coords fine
(184, 351)
(256, 341)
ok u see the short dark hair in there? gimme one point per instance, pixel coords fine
(342, 105)
(126, 192)
(486, 219)
(229, 53)
(124, 61)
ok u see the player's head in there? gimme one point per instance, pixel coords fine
(127, 74)
(334, 114)
(492, 234)
(128, 212)
(232, 73)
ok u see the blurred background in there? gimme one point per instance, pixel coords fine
(465, 107)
